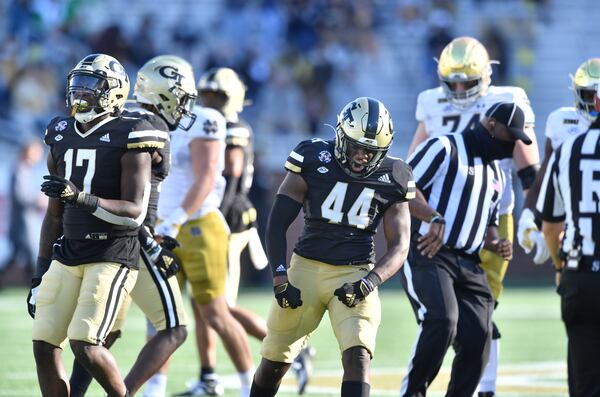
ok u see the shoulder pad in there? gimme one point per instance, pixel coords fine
(209, 124)
(143, 135)
(155, 120)
(403, 177)
(308, 153)
(55, 127)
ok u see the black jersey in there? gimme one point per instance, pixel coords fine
(241, 215)
(160, 170)
(92, 161)
(341, 213)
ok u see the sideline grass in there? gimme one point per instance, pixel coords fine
(532, 359)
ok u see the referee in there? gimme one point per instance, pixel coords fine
(459, 184)
(570, 195)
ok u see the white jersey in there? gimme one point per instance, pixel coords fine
(441, 117)
(209, 125)
(563, 123)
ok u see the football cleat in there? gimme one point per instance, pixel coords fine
(302, 367)
(207, 387)
(464, 71)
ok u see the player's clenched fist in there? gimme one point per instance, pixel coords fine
(287, 295)
(351, 294)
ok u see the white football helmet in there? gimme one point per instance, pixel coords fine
(585, 84)
(167, 83)
(464, 60)
(364, 123)
(98, 85)
(226, 81)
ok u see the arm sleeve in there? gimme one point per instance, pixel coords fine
(231, 185)
(283, 213)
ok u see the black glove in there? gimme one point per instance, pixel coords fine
(165, 260)
(287, 295)
(32, 295)
(170, 243)
(67, 192)
(60, 188)
(351, 294)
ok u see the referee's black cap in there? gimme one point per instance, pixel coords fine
(512, 116)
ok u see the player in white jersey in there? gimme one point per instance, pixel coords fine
(560, 125)
(463, 97)
(189, 210)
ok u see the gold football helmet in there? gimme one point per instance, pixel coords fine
(465, 71)
(98, 85)
(167, 82)
(585, 84)
(226, 81)
(366, 124)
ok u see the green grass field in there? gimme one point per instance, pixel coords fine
(532, 351)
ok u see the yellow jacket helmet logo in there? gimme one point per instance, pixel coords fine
(363, 123)
(585, 83)
(464, 70)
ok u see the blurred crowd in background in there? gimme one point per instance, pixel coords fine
(301, 60)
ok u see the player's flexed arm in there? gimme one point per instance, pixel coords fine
(130, 210)
(285, 208)
(396, 227)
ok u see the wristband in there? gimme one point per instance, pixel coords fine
(281, 270)
(87, 202)
(436, 217)
(374, 279)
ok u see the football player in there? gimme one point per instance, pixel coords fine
(99, 187)
(189, 211)
(463, 97)
(561, 124)
(164, 94)
(347, 187)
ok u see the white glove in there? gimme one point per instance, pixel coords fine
(171, 224)
(529, 236)
(542, 254)
(257, 253)
(525, 227)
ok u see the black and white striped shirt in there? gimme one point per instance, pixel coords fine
(570, 191)
(461, 186)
